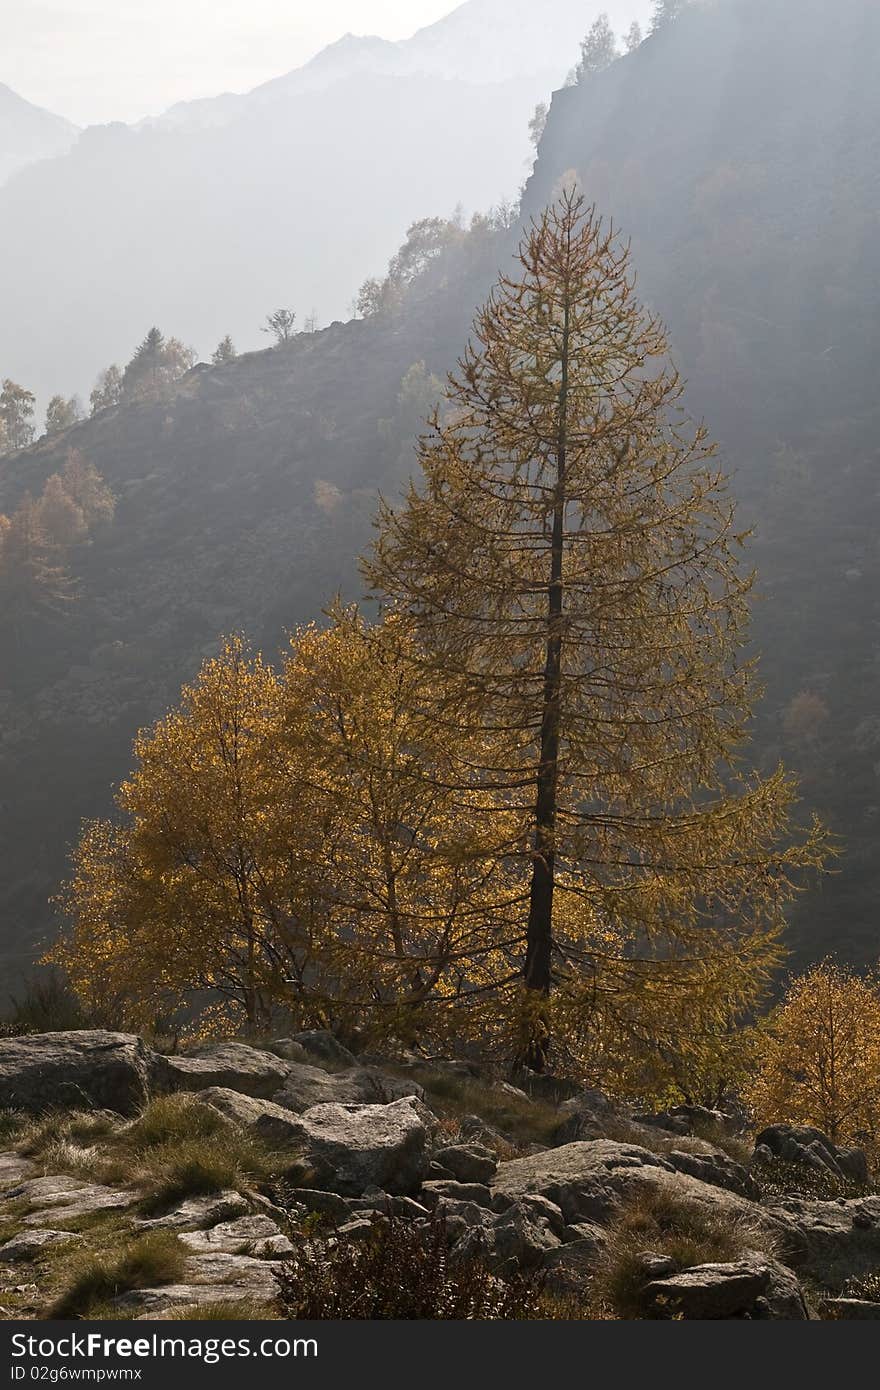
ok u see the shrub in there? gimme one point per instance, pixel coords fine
(403, 1271)
(155, 1258)
(660, 1223)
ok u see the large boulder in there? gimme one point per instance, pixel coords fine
(755, 1287)
(94, 1070)
(591, 1180)
(230, 1064)
(348, 1149)
(810, 1148)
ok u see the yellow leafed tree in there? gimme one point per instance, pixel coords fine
(569, 564)
(819, 1058)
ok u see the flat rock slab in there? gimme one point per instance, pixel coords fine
(86, 1070)
(61, 1199)
(198, 1213)
(29, 1244)
(13, 1170)
(749, 1288)
(241, 1068)
(258, 1234)
(143, 1304)
(220, 1267)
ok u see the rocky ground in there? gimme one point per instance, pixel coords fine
(200, 1174)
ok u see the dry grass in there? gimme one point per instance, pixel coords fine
(153, 1259)
(176, 1148)
(522, 1121)
(242, 1311)
(660, 1223)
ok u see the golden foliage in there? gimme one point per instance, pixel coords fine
(569, 565)
(819, 1057)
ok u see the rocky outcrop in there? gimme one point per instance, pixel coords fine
(810, 1148)
(590, 1180)
(306, 1086)
(77, 1071)
(347, 1148)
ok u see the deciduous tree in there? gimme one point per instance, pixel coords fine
(819, 1057)
(569, 564)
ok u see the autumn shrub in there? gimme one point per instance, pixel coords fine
(661, 1223)
(155, 1258)
(401, 1270)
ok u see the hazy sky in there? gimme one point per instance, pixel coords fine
(105, 60)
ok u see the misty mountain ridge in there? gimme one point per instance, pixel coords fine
(28, 133)
(481, 41)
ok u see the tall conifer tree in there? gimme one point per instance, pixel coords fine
(570, 565)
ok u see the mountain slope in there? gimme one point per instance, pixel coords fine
(293, 195)
(747, 172)
(28, 133)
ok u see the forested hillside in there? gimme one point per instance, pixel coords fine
(739, 148)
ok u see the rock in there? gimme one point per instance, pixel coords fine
(755, 1287)
(349, 1148)
(569, 1268)
(717, 1169)
(29, 1244)
(589, 1115)
(230, 1064)
(445, 1190)
(359, 1228)
(198, 1213)
(831, 1241)
(307, 1086)
(319, 1043)
(589, 1181)
(58, 1200)
(14, 1169)
(254, 1277)
(258, 1233)
(860, 1309)
(460, 1215)
(77, 1071)
(469, 1163)
(812, 1149)
(520, 1238)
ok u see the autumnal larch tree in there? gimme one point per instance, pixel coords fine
(818, 1061)
(571, 569)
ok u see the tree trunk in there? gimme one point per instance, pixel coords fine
(539, 935)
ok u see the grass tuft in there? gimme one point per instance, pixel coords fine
(153, 1259)
(660, 1223)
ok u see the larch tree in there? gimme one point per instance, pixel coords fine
(418, 916)
(189, 902)
(818, 1058)
(570, 568)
